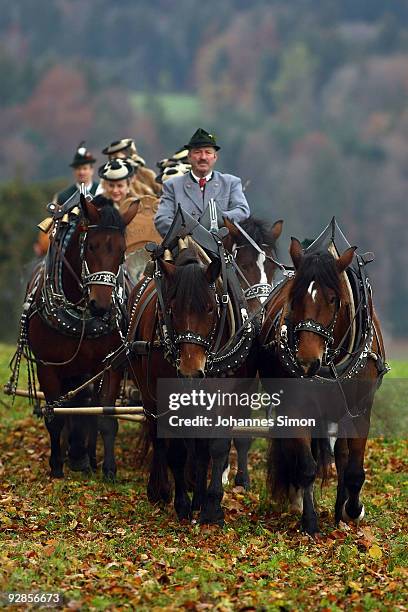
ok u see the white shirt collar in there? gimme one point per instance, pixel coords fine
(88, 186)
(197, 178)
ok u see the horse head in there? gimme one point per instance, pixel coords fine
(257, 266)
(318, 308)
(103, 251)
(190, 301)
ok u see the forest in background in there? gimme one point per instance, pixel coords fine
(308, 100)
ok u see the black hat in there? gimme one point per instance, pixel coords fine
(201, 138)
(117, 146)
(116, 170)
(82, 156)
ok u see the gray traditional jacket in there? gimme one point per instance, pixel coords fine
(226, 190)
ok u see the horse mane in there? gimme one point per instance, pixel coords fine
(319, 267)
(260, 232)
(189, 286)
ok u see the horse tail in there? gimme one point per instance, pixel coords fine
(283, 466)
(144, 444)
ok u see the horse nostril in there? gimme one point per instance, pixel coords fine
(314, 367)
(310, 368)
(97, 310)
(201, 374)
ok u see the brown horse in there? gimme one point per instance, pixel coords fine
(320, 325)
(177, 316)
(74, 318)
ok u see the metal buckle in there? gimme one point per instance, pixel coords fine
(225, 298)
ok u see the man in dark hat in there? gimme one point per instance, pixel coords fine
(82, 166)
(201, 184)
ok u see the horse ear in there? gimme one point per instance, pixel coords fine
(89, 210)
(343, 262)
(277, 229)
(167, 268)
(213, 271)
(130, 213)
(296, 252)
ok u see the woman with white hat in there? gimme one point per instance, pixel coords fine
(116, 178)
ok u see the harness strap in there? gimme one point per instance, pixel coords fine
(257, 248)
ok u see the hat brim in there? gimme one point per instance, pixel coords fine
(200, 145)
(83, 163)
(112, 149)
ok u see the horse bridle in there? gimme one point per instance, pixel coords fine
(287, 340)
(324, 331)
(259, 290)
(174, 340)
(103, 277)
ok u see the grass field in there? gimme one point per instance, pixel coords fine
(106, 548)
(176, 108)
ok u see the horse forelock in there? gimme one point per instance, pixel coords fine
(317, 267)
(260, 232)
(189, 286)
(110, 218)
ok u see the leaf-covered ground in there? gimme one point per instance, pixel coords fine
(106, 548)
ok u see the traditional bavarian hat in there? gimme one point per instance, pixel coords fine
(82, 156)
(122, 145)
(116, 170)
(117, 146)
(201, 138)
(178, 170)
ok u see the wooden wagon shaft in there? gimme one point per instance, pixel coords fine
(103, 410)
(135, 418)
(23, 393)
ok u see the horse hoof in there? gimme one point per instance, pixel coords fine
(346, 518)
(310, 527)
(242, 482)
(109, 476)
(162, 495)
(80, 465)
(212, 518)
(183, 512)
(57, 473)
(208, 521)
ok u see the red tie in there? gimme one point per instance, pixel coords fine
(202, 182)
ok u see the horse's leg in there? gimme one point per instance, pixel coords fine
(81, 425)
(354, 476)
(158, 486)
(201, 460)
(242, 476)
(341, 458)
(92, 441)
(50, 384)
(305, 476)
(108, 426)
(55, 426)
(211, 512)
(176, 459)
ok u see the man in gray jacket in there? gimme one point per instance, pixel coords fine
(194, 190)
